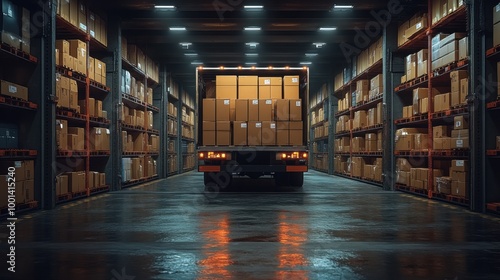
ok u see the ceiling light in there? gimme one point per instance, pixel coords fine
(196, 63)
(165, 7)
(343, 6)
(252, 28)
(252, 44)
(253, 7)
(251, 63)
(327, 28)
(252, 54)
(311, 54)
(319, 45)
(306, 63)
(190, 54)
(177, 28)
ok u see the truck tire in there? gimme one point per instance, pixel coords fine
(282, 179)
(297, 179)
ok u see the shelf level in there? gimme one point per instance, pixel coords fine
(412, 84)
(10, 102)
(17, 154)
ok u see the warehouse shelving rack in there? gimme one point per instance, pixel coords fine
(320, 149)
(174, 130)
(436, 78)
(188, 117)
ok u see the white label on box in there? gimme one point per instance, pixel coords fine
(18, 164)
(267, 82)
(295, 80)
(460, 163)
(497, 7)
(269, 102)
(12, 89)
(243, 125)
(298, 103)
(273, 125)
(460, 143)
(92, 17)
(83, 27)
(255, 102)
(226, 102)
(458, 124)
(258, 125)
(92, 33)
(419, 25)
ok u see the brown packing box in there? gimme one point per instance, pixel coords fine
(460, 143)
(254, 133)
(496, 34)
(29, 169)
(464, 90)
(98, 109)
(456, 76)
(461, 122)
(223, 133)
(253, 110)
(282, 134)
(266, 110)
(248, 80)
(377, 82)
(80, 133)
(276, 92)
(296, 135)
(223, 110)
(73, 182)
(418, 94)
(241, 110)
(13, 90)
(226, 80)
(363, 85)
(265, 88)
(209, 133)
(268, 133)
(91, 24)
(249, 92)
(63, 183)
(226, 92)
(64, 9)
(209, 109)
(295, 110)
(440, 131)
(459, 188)
(454, 98)
(380, 112)
(73, 12)
(282, 110)
(291, 92)
(82, 16)
(92, 68)
(460, 165)
(240, 134)
(91, 108)
(463, 48)
(421, 141)
(422, 68)
(442, 102)
(139, 141)
(102, 179)
(62, 134)
(424, 105)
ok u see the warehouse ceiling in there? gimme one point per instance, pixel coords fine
(216, 32)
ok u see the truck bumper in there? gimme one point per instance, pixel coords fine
(232, 167)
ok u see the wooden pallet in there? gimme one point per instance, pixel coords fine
(18, 153)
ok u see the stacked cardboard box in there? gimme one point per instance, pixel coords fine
(422, 63)
(442, 102)
(405, 138)
(362, 91)
(376, 86)
(411, 67)
(403, 168)
(441, 138)
(407, 30)
(419, 177)
(459, 173)
(76, 138)
(339, 81)
(10, 24)
(344, 103)
(76, 182)
(13, 90)
(367, 58)
(496, 25)
(459, 87)
(463, 48)
(441, 9)
(460, 133)
(360, 120)
(99, 139)
(24, 179)
(226, 87)
(358, 144)
(445, 49)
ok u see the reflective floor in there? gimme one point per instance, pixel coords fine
(331, 229)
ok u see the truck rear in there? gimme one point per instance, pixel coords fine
(252, 122)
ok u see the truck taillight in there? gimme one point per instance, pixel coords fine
(291, 156)
(214, 156)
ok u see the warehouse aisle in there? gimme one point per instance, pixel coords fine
(332, 229)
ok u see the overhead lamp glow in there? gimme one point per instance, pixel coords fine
(191, 54)
(252, 54)
(306, 63)
(319, 45)
(252, 28)
(165, 7)
(343, 7)
(251, 63)
(252, 44)
(177, 28)
(253, 7)
(311, 54)
(327, 28)
(196, 63)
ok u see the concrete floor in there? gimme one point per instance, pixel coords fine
(332, 229)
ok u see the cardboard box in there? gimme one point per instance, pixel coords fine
(254, 133)
(82, 16)
(296, 133)
(422, 68)
(98, 109)
(226, 80)
(209, 109)
(421, 142)
(253, 110)
(460, 143)
(248, 92)
(363, 85)
(241, 110)
(62, 185)
(291, 92)
(358, 144)
(248, 80)
(295, 110)
(73, 12)
(226, 92)
(268, 133)
(64, 9)
(463, 48)
(80, 133)
(377, 82)
(424, 106)
(282, 134)
(496, 13)
(209, 134)
(442, 102)
(240, 135)
(461, 122)
(459, 189)
(461, 166)
(266, 110)
(464, 90)
(460, 133)
(276, 92)
(456, 76)
(283, 110)
(139, 142)
(440, 131)
(13, 90)
(29, 169)
(265, 91)
(291, 81)
(62, 135)
(223, 133)
(223, 109)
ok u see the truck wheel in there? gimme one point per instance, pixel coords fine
(297, 179)
(282, 179)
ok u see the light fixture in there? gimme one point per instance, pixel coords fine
(177, 28)
(252, 54)
(165, 7)
(270, 68)
(253, 7)
(253, 67)
(287, 67)
(240, 67)
(251, 63)
(191, 54)
(306, 63)
(327, 28)
(342, 7)
(196, 63)
(252, 28)
(319, 45)
(252, 44)
(311, 54)
(185, 45)
(221, 67)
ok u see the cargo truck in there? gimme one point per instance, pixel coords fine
(252, 122)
